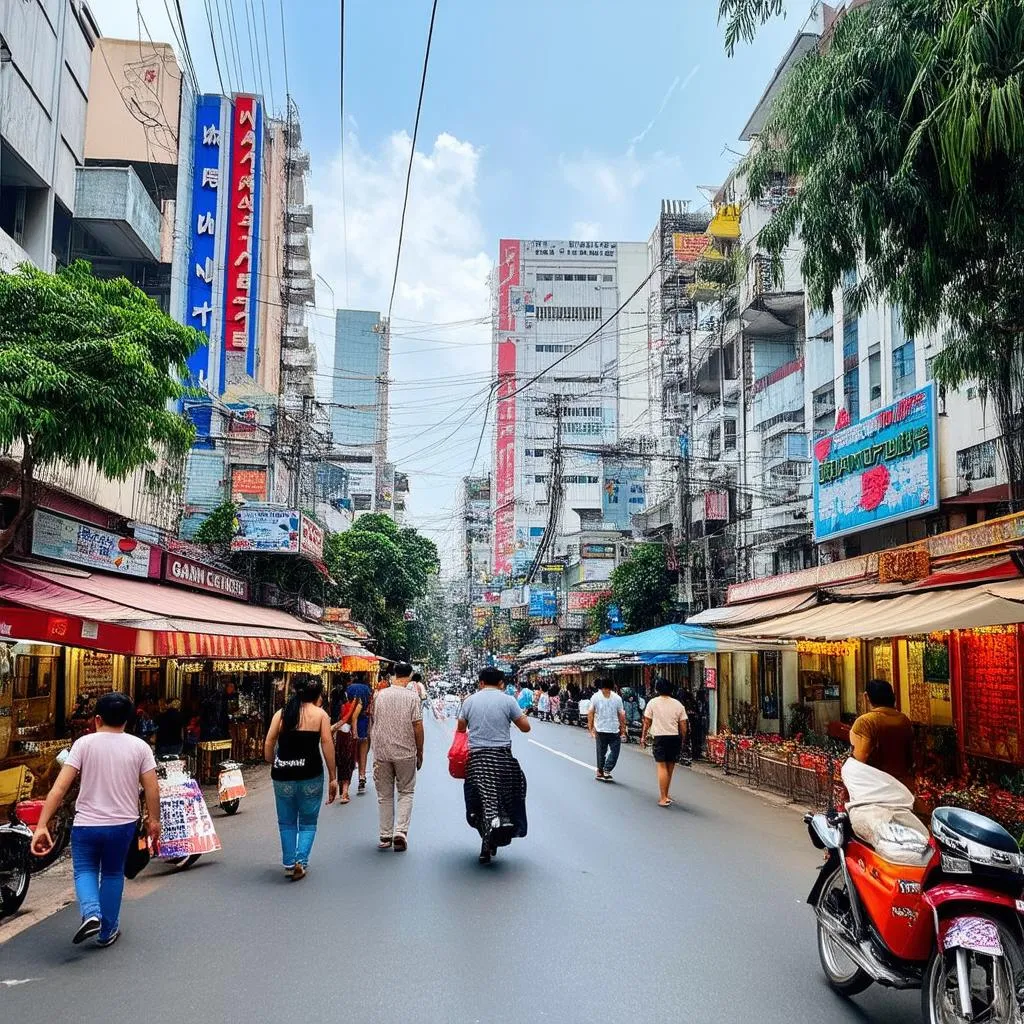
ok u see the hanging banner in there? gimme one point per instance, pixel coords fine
(881, 469)
(505, 459)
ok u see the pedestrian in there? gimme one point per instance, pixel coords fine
(417, 687)
(526, 698)
(170, 729)
(299, 734)
(112, 765)
(606, 723)
(543, 705)
(665, 721)
(397, 756)
(884, 737)
(495, 786)
(343, 729)
(556, 702)
(360, 692)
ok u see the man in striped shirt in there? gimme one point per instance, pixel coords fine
(397, 755)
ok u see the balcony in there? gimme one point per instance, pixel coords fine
(725, 224)
(297, 266)
(300, 289)
(978, 467)
(297, 359)
(297, 159)
(297, 242)
(300, 215)
(114, 207)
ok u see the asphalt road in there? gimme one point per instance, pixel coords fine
(612, 909)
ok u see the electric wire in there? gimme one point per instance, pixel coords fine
(213, 46)
(341, 112)
(266, 47)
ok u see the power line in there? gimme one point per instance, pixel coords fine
(213, 44)
(225, 39)
(412, 155)
(254, 50)
(284, 50)
(341, 111)
(187, 49)
(266, 47)
(233, 26)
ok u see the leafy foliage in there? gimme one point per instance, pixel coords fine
(89, 369)
(642, 586)
(906, 134)
(218, 528)
(743, 18)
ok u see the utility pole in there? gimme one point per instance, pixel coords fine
(554, 492)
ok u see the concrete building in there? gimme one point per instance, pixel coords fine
(548, 297)
(359, 407)
(476, 533)
(45, 73)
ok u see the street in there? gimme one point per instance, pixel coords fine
(611, 909)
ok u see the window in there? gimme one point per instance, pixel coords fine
(729, 361)
(544, 277)
(849, 279)
(568, 312)
(606, 277)
(904, 366)
(729, 428)
(553, 348)
(929, 368)
(540, 478)
(851, 393)
(535, 453)
(558, 277)
(875, 377)
(850, 343)
(823, 406)
(579, 479)
(591, 277)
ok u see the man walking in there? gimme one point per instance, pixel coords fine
(606, 721)
(397, 756)
(112, 764)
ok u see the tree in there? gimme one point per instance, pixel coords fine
(743, 18)
(89, 372)
(642, 587)
(906, 136)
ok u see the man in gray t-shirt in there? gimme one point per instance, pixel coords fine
(606, 722)
(487, 716)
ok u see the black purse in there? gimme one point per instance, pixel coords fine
(138, 852)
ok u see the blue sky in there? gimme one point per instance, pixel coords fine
(555, 119)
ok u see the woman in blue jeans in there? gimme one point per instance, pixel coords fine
(299, 733)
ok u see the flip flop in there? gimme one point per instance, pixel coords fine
(344, 800)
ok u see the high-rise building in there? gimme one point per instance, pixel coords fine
(359, 409)
(476, 532)
(551, 296)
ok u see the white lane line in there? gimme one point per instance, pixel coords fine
(12, 982)
(559, 753)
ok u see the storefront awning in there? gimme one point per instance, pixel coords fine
(995, 604)
(754, 611)
(165, 621)
(672, 639)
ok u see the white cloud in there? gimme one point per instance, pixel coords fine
(586, 230)
(442, 281)
(610, 180)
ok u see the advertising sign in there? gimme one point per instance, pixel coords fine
(716, 506)
(66, 540)
(277, 531)
(597, 551)
(203, 286)
(623, 492)
(249, 483)
(878, 470)
(581, 600)
(573, 249)
(688, 247)
(508, 278)
(505, 458)
(243, 229)
(543, 604)
(178, 569)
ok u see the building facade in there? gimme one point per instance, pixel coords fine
(551, 433)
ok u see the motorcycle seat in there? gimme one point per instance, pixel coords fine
(977, 828)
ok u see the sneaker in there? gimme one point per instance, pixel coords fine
(608, 777)
(89, 927)
(109, 940)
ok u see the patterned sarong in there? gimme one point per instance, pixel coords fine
(495, 791)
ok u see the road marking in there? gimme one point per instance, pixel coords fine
(11, 982)
(559, 753)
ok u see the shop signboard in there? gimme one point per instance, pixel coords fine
(311, 539)
(249, 483)
(623, 492)
(573, 249)
(581, 600)
(178, 569)
(597, 551)
(277, 531)
(711, 678)
(597, 572)
(67, 540)
(878, 470)
(689, 246)
(543, 604)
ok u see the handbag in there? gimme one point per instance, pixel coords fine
(458, 755)
(138, 852)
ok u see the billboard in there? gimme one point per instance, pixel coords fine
(622, 493)
(582, 600)
(543, 604)
(277, 531)
(505, 459)
(688, 247)
(67, 540)
(241, 284)
(572, 249)
(881, 469)
(508, 278)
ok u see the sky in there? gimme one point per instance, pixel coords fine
(541, 119)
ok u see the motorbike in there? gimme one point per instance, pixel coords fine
(230, 786)
(15, 864)
(28, 812)
(949, 925)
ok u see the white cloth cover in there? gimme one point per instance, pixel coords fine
(881, 814)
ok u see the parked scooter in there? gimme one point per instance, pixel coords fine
(15, 864)
(230, 786)
(950, 925)
(29, 811)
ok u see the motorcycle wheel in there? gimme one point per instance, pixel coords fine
(995, 982)
(14, 890)
(183, 863)
(843, 974)
(230, 806)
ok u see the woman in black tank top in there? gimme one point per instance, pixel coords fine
(299, 734)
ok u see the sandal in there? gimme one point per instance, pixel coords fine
(385, 843)
(362, 787)
(400, 843)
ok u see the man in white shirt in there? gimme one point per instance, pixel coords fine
(606, 721)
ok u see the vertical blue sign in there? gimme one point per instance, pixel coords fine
(206, 142)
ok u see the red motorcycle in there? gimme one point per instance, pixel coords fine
(950, 926)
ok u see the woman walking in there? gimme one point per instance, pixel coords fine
(360, 692)
(665, 721)
(495, 786)
(345, 712)
(299, 733)
(544, 705)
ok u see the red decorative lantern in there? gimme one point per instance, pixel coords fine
(126, 545)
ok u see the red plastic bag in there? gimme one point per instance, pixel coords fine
(458, 755)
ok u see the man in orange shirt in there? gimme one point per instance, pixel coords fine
(884, 737)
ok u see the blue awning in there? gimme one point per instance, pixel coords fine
(675, 639)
